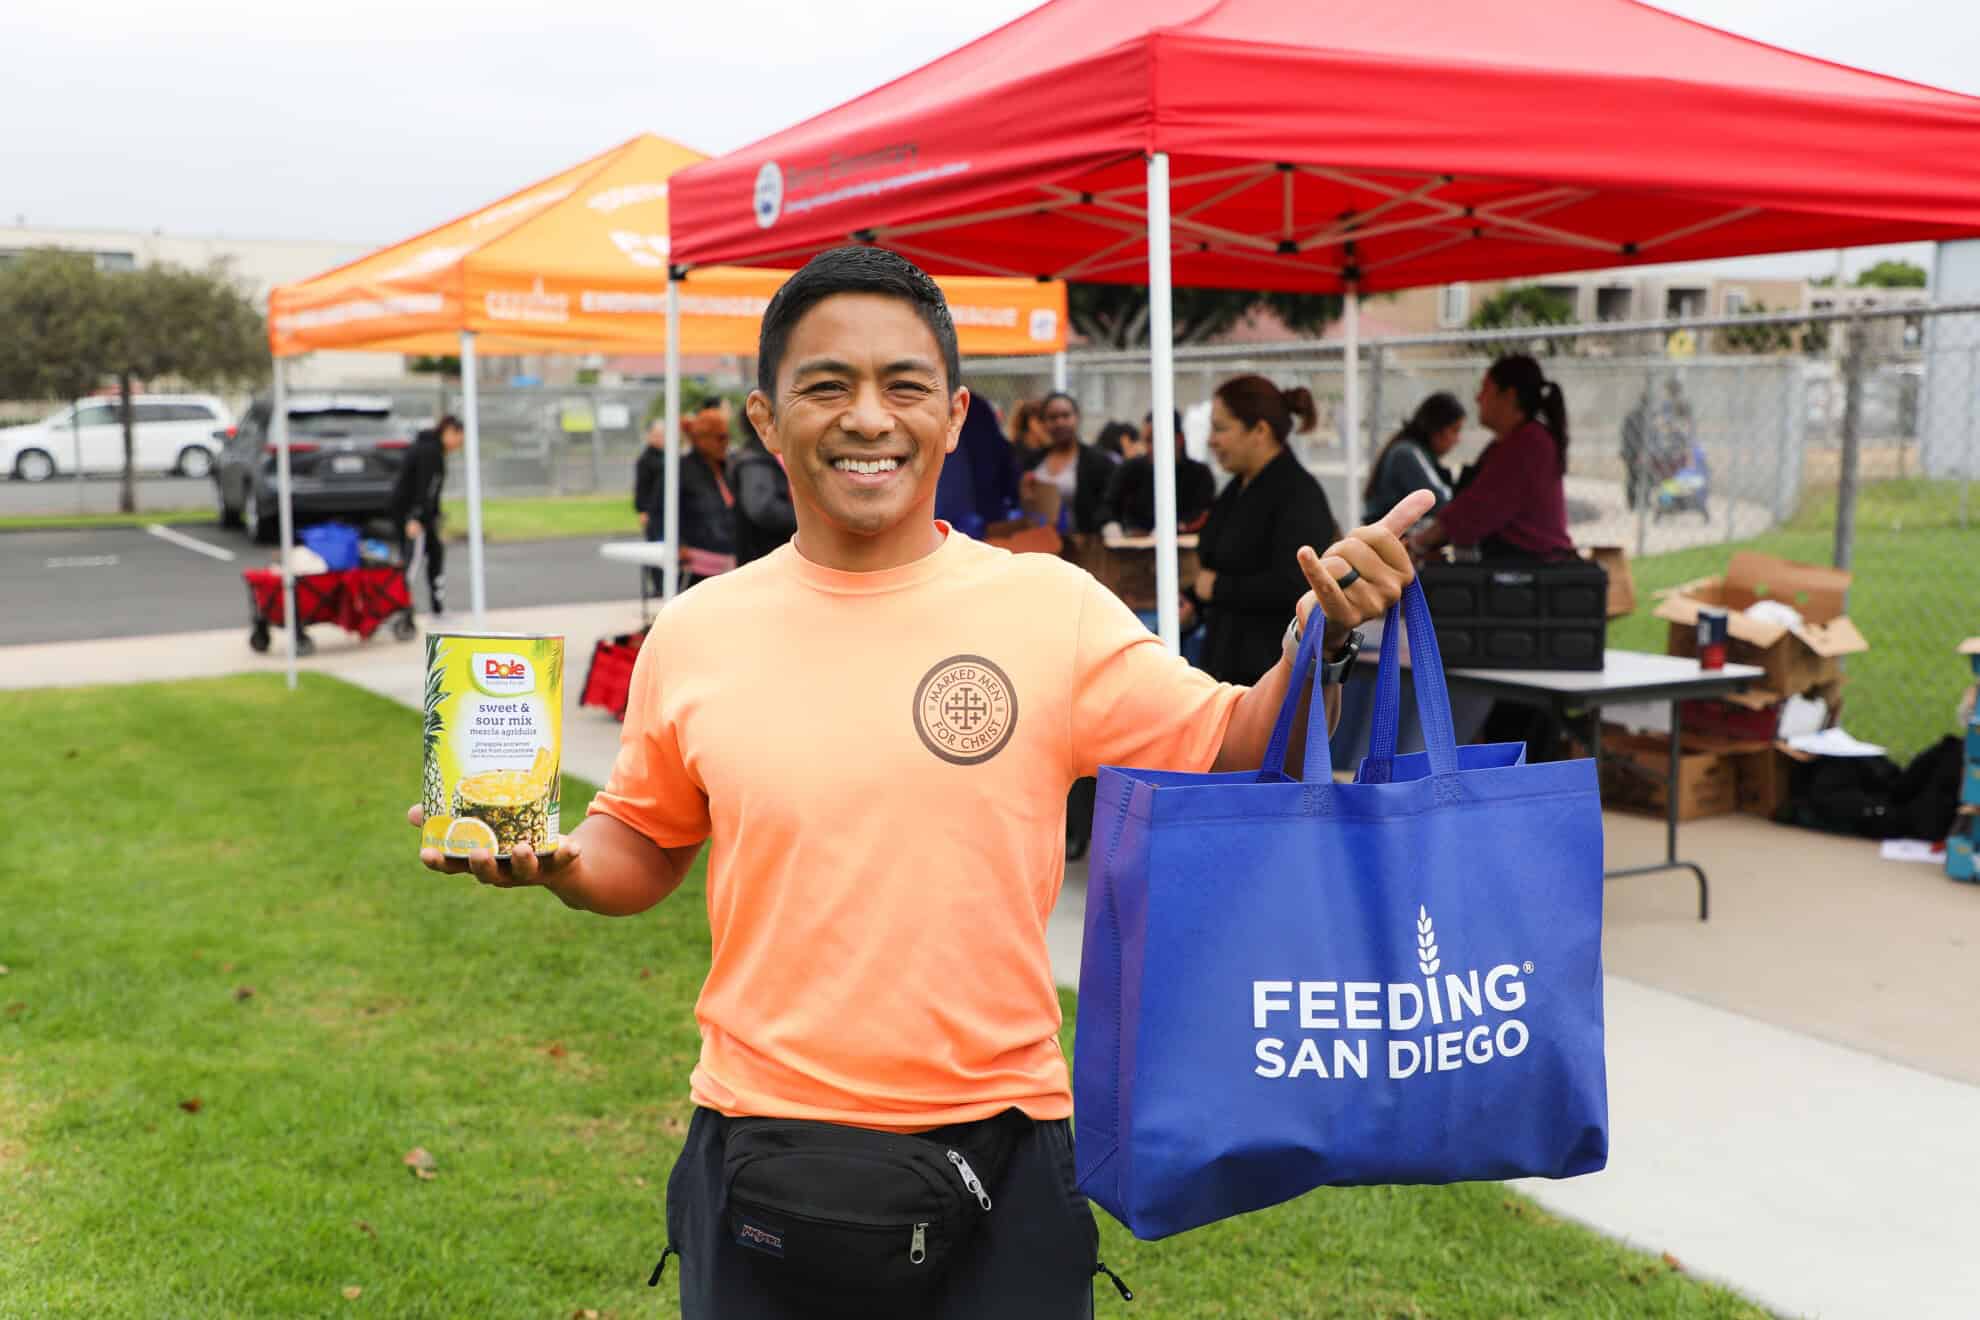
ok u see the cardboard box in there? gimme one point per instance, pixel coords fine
(1970, 648)
(1127, 567)
(1622, 584)
(1795, 659)
(1636, 768)
(1753, 716)
(1762, 771)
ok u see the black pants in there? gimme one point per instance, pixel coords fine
(1033, 1257)
(436, 562)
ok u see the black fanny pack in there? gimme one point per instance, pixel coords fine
(853, 1212)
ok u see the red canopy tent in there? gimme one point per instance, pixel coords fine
(1337, 146)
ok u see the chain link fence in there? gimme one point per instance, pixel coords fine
(1850, 439)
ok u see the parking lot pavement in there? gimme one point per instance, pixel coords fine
(58, 586)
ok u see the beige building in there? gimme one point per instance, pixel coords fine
(257, 264)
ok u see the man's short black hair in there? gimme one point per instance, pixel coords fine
(710, 403)
(853, 269)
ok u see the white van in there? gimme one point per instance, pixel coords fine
(178, 433)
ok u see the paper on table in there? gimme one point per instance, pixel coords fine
(1833, 742)
(1913, 850)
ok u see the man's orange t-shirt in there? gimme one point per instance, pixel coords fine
(881, 761)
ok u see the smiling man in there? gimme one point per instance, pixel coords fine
(874, 728)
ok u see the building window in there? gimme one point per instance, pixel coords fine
(1735, 302)
(1684, 304)
(116, 261)
(1454, 305)
(1612, 304)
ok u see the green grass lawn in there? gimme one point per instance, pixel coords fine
(541, 518)
(200, 840)
(34, 522)
(1915, 596)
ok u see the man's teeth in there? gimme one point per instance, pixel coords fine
(867, 469)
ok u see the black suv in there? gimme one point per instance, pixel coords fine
(344, 457)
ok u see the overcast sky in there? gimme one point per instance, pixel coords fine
(369, 120)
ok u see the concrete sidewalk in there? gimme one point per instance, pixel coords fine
(1795, 1085)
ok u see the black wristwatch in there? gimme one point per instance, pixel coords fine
(1336, 671)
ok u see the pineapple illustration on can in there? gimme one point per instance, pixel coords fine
(493, 735)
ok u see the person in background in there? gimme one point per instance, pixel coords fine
(708, 533)
(416, 503)
(1078, 471)
(1410, 460)
(1256, 526)
(764, 516)
(1129, 505)
(1029, 438)
(979, 483)
(1114, 436)
(1511, 503)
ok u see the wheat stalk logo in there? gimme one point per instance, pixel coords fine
(1426, 943)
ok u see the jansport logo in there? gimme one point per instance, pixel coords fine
(502, 673)
(1338, 1019)
(769, 198)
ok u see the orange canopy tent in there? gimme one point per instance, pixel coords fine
(578, 263)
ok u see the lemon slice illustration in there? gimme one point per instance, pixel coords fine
(433, 830)
(467, 833)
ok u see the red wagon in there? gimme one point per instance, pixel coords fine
(360, 600)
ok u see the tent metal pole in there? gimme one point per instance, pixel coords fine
(1059, 370)
(670, 494)
(1351, 410)
(1162, 383)
(471, 405)
(279, 415)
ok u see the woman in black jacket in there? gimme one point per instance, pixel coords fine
(1409, 462)
(1251, 580)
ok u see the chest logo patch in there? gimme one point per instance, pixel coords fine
(965, 710)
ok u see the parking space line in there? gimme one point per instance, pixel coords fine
(192, 543)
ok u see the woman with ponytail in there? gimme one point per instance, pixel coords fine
(1409, 461)
(1249, 547)
(1512, 503)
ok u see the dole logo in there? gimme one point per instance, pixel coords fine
(502, 673)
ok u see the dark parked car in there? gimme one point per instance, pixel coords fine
(344, 456)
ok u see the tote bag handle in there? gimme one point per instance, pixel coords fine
(1319, 764)
(1426, 671)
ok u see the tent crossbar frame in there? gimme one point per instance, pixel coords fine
(1730, 217)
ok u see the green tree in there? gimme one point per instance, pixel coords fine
(1767, 338)
(1116, 315)
(57, 326)
(445, 367)
(1520, 306)
(71, 328)
(1892, 275)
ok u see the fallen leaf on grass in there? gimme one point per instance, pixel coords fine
(422, 1164)
(646, 973)
(1673, 1262)
(367, 1229)
(586, 1313)
(3, 969)
(244, 992)
(226, 967)
(192, 1106)
(16, 1008)
(555, 1049)
(352, 1293)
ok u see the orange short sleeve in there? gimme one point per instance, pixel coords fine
(1135, 702)
(651, 788)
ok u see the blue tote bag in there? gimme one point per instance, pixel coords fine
(1292, 983)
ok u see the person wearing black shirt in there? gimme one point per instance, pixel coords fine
(1130, 500)
(1080, 471)
(416, 502)
(708, 534)
(764, 516)
(1249, 547)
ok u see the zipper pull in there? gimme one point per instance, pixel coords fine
(1127, 1293)
(653, 1281)
(969, 1178)
(918, 1245)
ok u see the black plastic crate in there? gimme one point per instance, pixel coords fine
(1517, 615)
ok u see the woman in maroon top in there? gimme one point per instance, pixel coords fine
(1511, 503)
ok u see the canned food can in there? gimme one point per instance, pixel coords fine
(493, 735)
(1712, 633)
